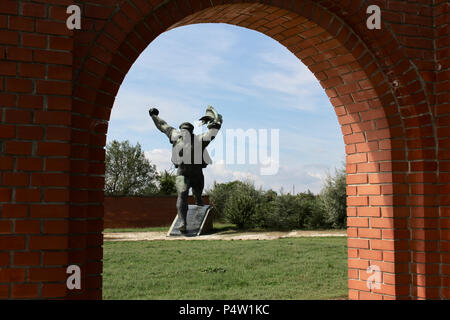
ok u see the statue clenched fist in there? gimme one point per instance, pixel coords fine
(153, 112)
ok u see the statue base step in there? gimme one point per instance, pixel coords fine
(199, 221)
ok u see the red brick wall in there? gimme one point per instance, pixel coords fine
(442, 113)
(389, 89)
(141, 212)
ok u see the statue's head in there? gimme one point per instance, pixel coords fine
(187, 126)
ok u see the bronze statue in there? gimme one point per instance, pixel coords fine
(189, 155)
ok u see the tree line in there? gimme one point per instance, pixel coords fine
(242, 204)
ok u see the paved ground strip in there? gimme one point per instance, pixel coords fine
(151, 236)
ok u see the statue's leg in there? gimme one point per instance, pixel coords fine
(182, 185)
(198, 184)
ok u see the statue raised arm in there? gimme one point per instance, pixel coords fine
(161, 124)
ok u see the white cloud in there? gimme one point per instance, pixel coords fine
(160, 158)
(199, 58)
(286, 74)
(217, 171)
(288, 83)
(131, 107)
(296, 176)
(318, 175)
(302, 177)
(220, 173)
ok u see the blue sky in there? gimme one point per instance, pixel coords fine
(253, 81)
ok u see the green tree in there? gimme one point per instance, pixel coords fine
(219, 195)
(283, 213)
(334, 199)
(167, 183)
(315, 217)
(242, 205)
(128, 172)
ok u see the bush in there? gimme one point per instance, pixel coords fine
(315, 213)
(334, 199)
(287, 212)
(242, 205)
(282, 213)
(167, 183)
(219, 195)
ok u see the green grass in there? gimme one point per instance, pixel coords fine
(290, 268)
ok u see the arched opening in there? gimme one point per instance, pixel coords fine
(258, 86)
(242, 79)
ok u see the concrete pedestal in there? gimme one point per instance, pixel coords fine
(199, 221)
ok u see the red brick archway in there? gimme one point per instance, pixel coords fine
(389, 89)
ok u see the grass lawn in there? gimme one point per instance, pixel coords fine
(290, 268)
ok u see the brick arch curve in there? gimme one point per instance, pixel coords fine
(378, 120)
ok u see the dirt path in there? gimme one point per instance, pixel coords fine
(227, 235)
